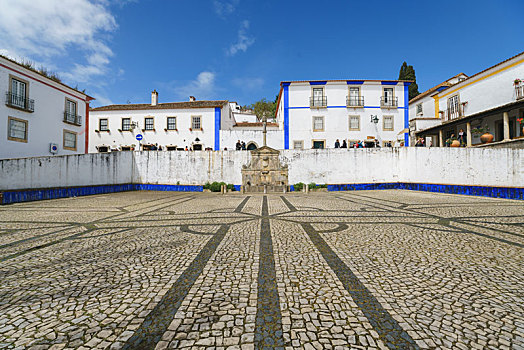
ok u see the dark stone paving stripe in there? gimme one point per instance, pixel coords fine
(268, 326)
(158, 320)
(384, 324)
(242, 205)
(289, 205)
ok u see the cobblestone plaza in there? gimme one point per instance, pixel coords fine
(341, 270)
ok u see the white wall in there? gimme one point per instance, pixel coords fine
(229, 138)
(45, 124)
(459, 166)
(64, 171)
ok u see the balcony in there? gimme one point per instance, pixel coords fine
(72, 118)
(389, 102)
(318, 102)
(352, 101)
(19, 102)
(453, 113)
(519, 91)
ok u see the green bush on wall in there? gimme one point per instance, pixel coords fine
(298, 186)
(217, 186)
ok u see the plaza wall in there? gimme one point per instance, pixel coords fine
(447, 166)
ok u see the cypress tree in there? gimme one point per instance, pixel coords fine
(408, 73)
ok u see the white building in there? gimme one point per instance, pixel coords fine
(490, 101)
(314, 114)
(40, 116)
(172, 126)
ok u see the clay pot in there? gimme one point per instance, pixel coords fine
(486, 138)
(455, 143)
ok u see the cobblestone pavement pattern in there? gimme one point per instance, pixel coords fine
(347, 270)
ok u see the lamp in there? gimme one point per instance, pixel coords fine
(374, 119)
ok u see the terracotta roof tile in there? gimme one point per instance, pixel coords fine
(170, 105)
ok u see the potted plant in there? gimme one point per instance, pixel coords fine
(485, 136)
(521, 123)
(517, 82)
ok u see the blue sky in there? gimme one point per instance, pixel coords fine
(240, 50)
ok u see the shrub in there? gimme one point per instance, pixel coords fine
(207, 186)
(216, 186)
(312, 185)
(231, 187)
(298, 187)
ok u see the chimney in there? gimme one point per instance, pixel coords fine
(192, 99)
(154, 98)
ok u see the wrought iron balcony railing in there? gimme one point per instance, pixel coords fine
(18, 101)
(318, 101)
(389, 102)
(72, 118)
(353, 101)
(519, 91)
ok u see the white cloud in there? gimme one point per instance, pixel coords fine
(203, 87)
(224, 8)
(244, 40)
(48, 29)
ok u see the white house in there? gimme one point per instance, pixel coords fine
(314, 114)
(40, 116)
(422, 107)
(490, 101)
(172, 126)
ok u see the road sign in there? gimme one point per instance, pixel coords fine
(139, 137)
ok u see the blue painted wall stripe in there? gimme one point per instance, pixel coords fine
(218, 117)
(317, 82)
(389, 83)
(406, 114)
(286, 116)
(355, 82)
(307, 107)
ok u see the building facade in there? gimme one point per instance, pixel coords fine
(40, 116)
(491, 101)
(314, 114)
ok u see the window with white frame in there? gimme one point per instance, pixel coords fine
(171, 123)
(18, 93)
(149, 123)
(126, 124)
(318, 99)
(354, 122)
(17, 129)
(70, 112)
(298, 144)
(388, 123)
(196, 122)
(69, 140)
(103, 125)
(354, 98)
(318, 123)
(419, 109)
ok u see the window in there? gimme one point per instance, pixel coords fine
(18, 93)
(318, 123)
(388, 94)
(17, 129)
(388, 98)
(70, 140)
(388, 122)
(453, 107)
(318, 99)
(126, 124)
(354, 122)
(319, 144)
(298, 144)
(196, 123)
(419, 109)
(354, 98)
(171, 123)
(102, 125)
(149, 123)
(70, 115)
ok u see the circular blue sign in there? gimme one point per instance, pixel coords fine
(139, 137)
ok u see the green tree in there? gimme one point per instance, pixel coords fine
(408, 73)
(264, 108)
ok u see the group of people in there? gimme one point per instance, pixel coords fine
(462, 139)
(240, 145)
(357, 144)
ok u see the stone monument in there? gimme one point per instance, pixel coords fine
(264, 173)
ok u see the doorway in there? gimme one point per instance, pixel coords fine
(319, 144)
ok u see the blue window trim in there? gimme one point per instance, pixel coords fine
(355, 82)
(317, 82)
(389, 82)
(218, 117)
(286, 115)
